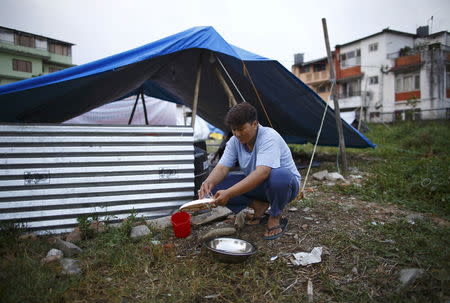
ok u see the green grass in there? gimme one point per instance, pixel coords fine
(22, 277)
(410, 165)
(365, 264)
(358, 265)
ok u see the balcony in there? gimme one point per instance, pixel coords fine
(349, 94)
(404, 96)
(408, 60)
(9, 47)
(313, 77)
(35, 52)
(351, 72)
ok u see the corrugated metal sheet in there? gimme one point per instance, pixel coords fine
(52, 174)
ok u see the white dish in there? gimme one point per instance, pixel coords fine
(198, 204)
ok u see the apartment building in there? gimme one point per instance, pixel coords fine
(316, 74)
(24, 55)
(393, 75)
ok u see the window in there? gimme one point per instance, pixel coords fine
(373, 47)
(319, 67)
(59, 49)
(304, 69)
(24, 40)
(21, 65)
(373, 80)
(351, 89)
(350, 59)
(407, 83)
(52, 69)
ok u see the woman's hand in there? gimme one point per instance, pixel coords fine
(205, 189)
(221, 197)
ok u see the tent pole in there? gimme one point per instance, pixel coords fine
(335, 100)
(134, 108)
(196, 91)
(145, 108)
(231, 98)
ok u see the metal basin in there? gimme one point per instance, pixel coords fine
(230, 250)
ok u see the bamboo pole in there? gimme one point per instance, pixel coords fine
(231, 98)
(335, 99)
(196, 91)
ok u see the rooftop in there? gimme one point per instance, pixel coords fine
(18, 31)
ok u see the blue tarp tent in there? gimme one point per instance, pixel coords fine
(166, 69)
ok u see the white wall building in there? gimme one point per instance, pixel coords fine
(394, 75)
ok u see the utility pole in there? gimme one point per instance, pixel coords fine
(335, 98)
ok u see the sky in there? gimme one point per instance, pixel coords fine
(273, 29)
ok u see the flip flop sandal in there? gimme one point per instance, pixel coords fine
(282, 226)
(262, 220)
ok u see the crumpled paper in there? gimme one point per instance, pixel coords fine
(304, 258)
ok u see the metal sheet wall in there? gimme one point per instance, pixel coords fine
(52, 174)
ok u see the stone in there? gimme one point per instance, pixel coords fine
(52, 255)
(98, 226)
(69, 249)
(50, 259)
(239, 221)
(226, 231)
(413, 218)
(293, 209)
(139, 231)
(75, 235)
(29, 236)
(409, 275)
(348, 207)
(320, 175)
(70, 266)
(159, 223)
(353, 169)
(55, 252)
(304, 226)
(214, 214)
(334, 177)
(306, 209)
(389, 241)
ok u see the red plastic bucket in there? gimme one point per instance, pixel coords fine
(181, 223)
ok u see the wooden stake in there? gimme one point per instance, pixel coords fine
(196, 91)
(231, 98)
(335, 99)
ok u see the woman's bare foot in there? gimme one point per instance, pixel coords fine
(260, 208)
(273, 222)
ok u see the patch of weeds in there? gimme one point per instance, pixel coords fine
(306, 202)
(378, 254)
(419, 245)
(22, 276)
(418, 184)
(10, 232)
(422, 244)
(84, 224)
